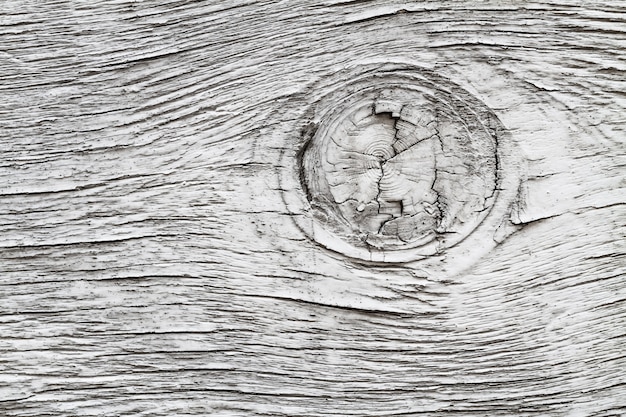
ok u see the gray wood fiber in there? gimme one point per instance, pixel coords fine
(150, 265)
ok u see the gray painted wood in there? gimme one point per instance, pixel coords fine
(150, 264)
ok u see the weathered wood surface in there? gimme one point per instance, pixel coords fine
(149, 265)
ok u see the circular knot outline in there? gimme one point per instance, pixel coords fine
(358, 86)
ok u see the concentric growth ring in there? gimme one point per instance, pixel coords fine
(397, 165)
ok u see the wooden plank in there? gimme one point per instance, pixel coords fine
(151, 261)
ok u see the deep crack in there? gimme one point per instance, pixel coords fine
(437, 203)
(382, 172)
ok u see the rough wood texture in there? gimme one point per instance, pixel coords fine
(151, 263)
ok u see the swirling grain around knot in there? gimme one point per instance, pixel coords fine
(401, 165)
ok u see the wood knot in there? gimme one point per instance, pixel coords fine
(399, 167)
